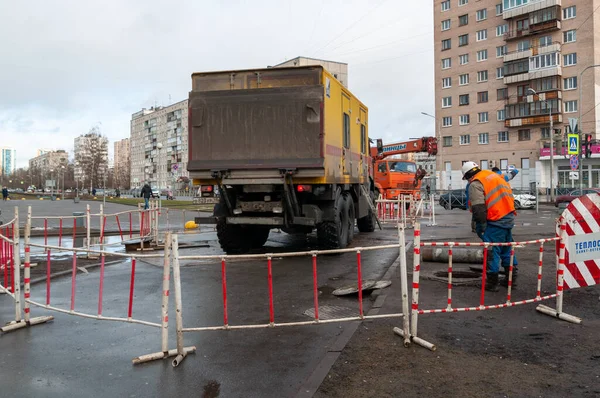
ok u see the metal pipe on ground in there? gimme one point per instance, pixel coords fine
(469, 255)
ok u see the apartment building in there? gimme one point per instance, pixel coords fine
(159, 145)
(8, 161)
(121, 163)
(339, 70)
(91, 159)
(49, 160)
(501, 68)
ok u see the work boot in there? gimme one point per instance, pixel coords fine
(491, 282)
(504, 281)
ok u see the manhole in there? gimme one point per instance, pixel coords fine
(367, 285)
(479, 270)
(459, 277)
(332, 312)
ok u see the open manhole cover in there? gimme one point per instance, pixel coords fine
(459, 277)
(479, 270)
(332, 312)
(367, 285)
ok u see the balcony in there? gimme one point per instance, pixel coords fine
(533, 120)
(533, 5)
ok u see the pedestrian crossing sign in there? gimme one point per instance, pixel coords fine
(573, 144)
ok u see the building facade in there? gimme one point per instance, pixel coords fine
(90, 160)
(122, 170)
(8, 161)
(339, 70)
(49, 160)
(501, 68)
(159, 145)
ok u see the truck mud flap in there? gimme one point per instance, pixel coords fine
(205, 220)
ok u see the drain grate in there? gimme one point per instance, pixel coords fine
(332, 312)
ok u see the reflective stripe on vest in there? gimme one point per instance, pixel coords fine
(498, 195)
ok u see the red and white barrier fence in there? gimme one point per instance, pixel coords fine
(406, 210)
(416, 310)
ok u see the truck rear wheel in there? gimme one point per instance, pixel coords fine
(258, 236)
(333, 234)
(367, 223)
(351, 216)
(234, 239)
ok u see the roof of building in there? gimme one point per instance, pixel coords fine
(314, 59)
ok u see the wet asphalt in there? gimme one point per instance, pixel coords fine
(74, 356)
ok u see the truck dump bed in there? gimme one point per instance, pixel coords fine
(265, 119)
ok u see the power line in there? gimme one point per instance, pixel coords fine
(383, 45)
(389, 59)
(315, 24)
(350, 26)
(589, 16)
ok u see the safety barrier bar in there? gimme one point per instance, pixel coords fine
(313, 255)
(416, 311)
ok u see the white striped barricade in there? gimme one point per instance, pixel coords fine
(45, 300)
(272, 323)
(391, 211)
(416, 310)
(10, 259)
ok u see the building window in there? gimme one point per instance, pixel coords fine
(570, 12)
(498, 9)
(570, 59)
(501, 51)
(465, 139)
(523, 45)
(445, 5)
(481, 15)
(502, 136)
(463, 20)
(501, 94)
(544, 61)
(447, 141)
(446, 24)
(570, 36)
(463, 40)
(570, 83)
(463, 80)
(570, 106)
(446, 63)
(483, 139)
(503, 164)
(482, 76)
(482, 35)
(482, 55)
(500, 115)
(447, 121)
(499, 72)
(463, 99)
(463, 59)
(446, 102)
(483, 117)
(446, 82)
(446, 44)
(545, 132)
(545, 41)
(463, 2)
(524, 163)
(524, 135)
(501, 29)
(464, 120)
(543, 15)
(482, 97)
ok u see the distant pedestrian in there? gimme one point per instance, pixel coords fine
(146, 193)
(428, 190)
(4, 193)
(118, 193)
(93, 191)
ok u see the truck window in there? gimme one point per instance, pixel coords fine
(363, 139)
(403, 167)
(346, 130)
(382, 167)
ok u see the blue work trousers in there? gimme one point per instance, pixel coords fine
(146, 203)
(498, 254)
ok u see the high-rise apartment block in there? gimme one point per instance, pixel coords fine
(501, 69)
(122, 169)
(49, 160)
(91, 159)
(159, 151)
(8, 161)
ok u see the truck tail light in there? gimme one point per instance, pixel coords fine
(304, 188)
(207, 188)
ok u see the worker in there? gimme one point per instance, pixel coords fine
(493, 209)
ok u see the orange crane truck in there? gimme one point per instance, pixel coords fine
(396, 177)
(287, 148)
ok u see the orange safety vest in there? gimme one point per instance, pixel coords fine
(498, 195)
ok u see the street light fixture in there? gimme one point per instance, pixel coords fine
(439, 137)
(549, 106)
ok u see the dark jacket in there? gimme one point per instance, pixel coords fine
(5, 192)
(146, 192)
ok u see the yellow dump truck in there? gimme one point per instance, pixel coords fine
(287, 148)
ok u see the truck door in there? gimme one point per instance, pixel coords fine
(381, 174)
(364, 145)
(346, 151)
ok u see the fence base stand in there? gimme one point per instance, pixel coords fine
(560, 315)
(21, 324)
(161, 355)
(415, 339)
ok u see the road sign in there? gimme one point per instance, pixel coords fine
(573, 175)
(574, 162)
(573, 124)
(573, 144)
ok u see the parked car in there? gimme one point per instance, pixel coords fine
(457, 198)
(155, 192)
(568, 198)
(524, 200)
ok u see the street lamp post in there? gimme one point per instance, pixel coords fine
(579, 123)
(551, 146)
(53, 183)
(439, 138)
(159, 147)
(62, 169)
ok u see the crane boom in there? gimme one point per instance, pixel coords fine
(424, 144)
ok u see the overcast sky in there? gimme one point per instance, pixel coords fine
(68, 65)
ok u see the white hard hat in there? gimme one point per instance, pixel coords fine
(468, 166)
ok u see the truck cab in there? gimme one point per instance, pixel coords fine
(396, 177)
